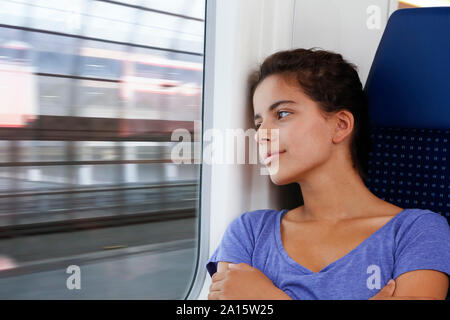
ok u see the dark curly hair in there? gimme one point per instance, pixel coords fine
(330, 81)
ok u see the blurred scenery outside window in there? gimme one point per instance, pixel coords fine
(91, 91)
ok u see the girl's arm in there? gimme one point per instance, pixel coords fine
(241, 281)
(245, 282)
(428, 283)
(222, 266)
(422, 283)
(416, 285)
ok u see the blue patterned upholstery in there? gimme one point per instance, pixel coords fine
(410, 167)
(408, 91)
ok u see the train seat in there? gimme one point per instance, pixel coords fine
(408, 91)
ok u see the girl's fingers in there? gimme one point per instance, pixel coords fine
(386, 292)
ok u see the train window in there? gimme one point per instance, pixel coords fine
(91, 204)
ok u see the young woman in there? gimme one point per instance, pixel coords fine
(344, 242)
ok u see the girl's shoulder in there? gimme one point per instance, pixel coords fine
(413, 216)
(422, 241)
(414, 222)
(261, 216)
(257, 220)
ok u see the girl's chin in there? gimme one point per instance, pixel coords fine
(280, 180)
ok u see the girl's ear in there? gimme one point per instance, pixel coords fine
(344, 122)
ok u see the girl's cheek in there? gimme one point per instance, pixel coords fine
(305, 140)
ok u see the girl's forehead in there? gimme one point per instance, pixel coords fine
(276, 88)
(277, 82)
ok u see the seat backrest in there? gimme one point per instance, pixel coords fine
(408, 91)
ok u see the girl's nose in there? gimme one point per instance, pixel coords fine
(262, 135)
(266, 135)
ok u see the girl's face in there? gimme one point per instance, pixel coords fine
(305, 135)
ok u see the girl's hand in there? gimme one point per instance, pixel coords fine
(243, 282)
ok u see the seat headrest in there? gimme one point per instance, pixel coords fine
(409, 81)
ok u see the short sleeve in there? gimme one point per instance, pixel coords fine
(424, 244)
(236, 245)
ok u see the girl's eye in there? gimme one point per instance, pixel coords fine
(282, 114)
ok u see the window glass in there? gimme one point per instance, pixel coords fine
(195, 10)
(170, 32)
(56, 15)
(13, 13)
(111, 21)
(91, 204)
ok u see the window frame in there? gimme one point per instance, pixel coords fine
(203, 223)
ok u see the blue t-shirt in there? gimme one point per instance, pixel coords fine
(413, 239)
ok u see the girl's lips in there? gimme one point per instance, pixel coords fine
(271, 156)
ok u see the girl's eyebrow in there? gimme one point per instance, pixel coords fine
(273, 106)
